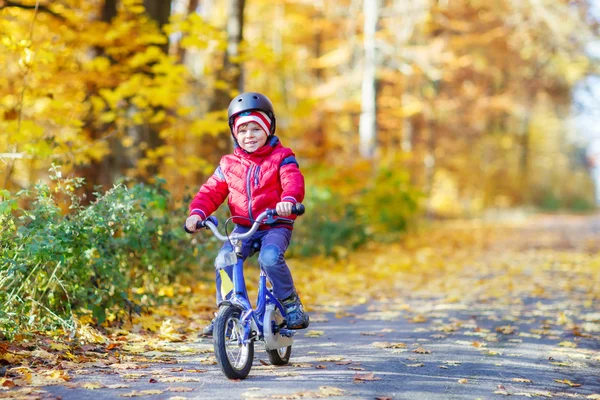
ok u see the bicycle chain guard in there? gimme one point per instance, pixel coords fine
(274, 341)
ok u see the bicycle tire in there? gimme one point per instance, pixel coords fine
(227, 329)
(280, 356)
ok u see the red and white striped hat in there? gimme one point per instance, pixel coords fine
(253, 116)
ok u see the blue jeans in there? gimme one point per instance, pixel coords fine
(273, 244)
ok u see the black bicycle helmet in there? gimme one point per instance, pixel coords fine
(250, 101)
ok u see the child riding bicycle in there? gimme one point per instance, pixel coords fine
(260, 174)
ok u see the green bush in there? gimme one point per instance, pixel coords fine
(390, 203)
(341, 209)
(59, 258)
(330, 223)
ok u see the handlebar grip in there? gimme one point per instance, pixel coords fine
(201, 224)
(298, 209)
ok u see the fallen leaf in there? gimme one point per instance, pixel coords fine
(118, 386)
(59, 346)
(314, 334)
(365, 377)
(151, 392)
(418, 319)
(388, 345)
(506, 329)
(567, 382)
(7, 383)
(300, 365)
(92, 385)
(321, 366)
(326, 391)
(522, 380)
(127, 366)
(566, 343)
(415, 365)
(421, 350)
(180, 389)
(172, 379)
(463, 381)
(330, 359)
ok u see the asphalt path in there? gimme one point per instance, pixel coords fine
(408, 347)
(373, 352)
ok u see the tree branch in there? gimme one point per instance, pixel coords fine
(41, 7)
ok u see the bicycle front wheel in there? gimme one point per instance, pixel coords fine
(233, 356)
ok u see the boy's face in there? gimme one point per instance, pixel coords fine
(251, 137)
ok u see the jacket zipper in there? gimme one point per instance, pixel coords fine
(256, 173)
(248, 189)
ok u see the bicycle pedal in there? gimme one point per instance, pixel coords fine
(287, 333)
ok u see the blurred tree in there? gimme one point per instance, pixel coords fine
(229, 78)
(368, 121)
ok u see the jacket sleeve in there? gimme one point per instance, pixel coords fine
(292, 180)
(210, 196)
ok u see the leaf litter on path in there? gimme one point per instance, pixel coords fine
(513, 275)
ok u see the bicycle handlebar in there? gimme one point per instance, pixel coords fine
(212, 223)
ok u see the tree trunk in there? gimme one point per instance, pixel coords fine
(159, 11)
(101, 172)
(231, 74)
(191, 9)
(368, 122)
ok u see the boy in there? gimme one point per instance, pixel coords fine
(260, 174)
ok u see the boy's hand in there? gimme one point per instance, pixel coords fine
(191, 221)
(284, 208)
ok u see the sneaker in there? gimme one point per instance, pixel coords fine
(295, 316)
(208, 329)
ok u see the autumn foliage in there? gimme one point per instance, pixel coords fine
(472, 100)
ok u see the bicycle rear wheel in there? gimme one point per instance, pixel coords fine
(233, 356)
(280, 356)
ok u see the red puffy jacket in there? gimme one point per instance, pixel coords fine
(253, 182)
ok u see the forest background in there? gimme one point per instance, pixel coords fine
(112, 113)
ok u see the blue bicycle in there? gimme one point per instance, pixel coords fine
(237, 325)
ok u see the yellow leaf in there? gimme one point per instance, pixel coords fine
(330, 359)
(59, 346)
(418, 319)
(567, 382)
(522, 380)
(108, 117)
(92, 385)
(566, 343)
(90, 335)
(314, 334)
(463, 381)
(167, 331)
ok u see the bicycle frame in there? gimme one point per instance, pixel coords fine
(251, 317)
(237, 325)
